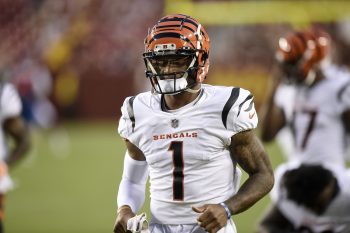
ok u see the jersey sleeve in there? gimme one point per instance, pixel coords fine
(242, 115)
(127, 119)
(11, 104)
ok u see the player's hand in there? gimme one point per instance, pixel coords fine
(212, 217)
(123, 215)
(138, 224)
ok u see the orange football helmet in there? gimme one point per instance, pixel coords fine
(176, 54)
(301, 52)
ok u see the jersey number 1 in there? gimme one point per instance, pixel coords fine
(178, 172)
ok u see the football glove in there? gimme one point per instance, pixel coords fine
(138, 224)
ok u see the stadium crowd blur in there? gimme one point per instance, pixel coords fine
(79, 59)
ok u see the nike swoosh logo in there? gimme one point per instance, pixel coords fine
(251, 115)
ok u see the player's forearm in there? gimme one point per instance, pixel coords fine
(249, 153)
(272, 122)
(132, 195)
(19, 151)
(133, 184)
(272, 119)
(18, 130)
(253, 189)
(124, 213)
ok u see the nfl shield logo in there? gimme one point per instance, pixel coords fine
(174, 123)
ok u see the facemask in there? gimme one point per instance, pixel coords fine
(171, 85)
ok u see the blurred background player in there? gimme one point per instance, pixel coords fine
(311, 97)
(192, 168)
(13, 126)
(34, 84)
(310, 203)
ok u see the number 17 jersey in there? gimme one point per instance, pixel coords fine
(187, 149)
(315, 116)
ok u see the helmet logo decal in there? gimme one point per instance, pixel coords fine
(169, 46)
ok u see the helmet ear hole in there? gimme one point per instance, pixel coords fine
(204, 58)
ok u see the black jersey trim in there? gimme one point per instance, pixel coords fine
(342, 90)
(249, 107)
(199, 96)
(246, 99)
(130, 109)
(230, 102)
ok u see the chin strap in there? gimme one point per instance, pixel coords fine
(194, 90)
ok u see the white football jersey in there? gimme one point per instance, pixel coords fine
(10, 106)
(314, 116)
(187, 149)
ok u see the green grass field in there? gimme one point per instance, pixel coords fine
(68, 182)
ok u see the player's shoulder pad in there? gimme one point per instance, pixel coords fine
(128, 108)
(11, 104)
(238, 97)
(8, 89)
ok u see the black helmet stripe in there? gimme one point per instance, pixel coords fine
(170, 34)
(174, 26)
(181, 20)
(176, 19)
(303, 41)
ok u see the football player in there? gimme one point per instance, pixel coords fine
(188, 137)
(318, 103)
(311, 204)
(12, 125)
(317, 107)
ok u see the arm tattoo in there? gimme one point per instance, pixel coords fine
(249, 153)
